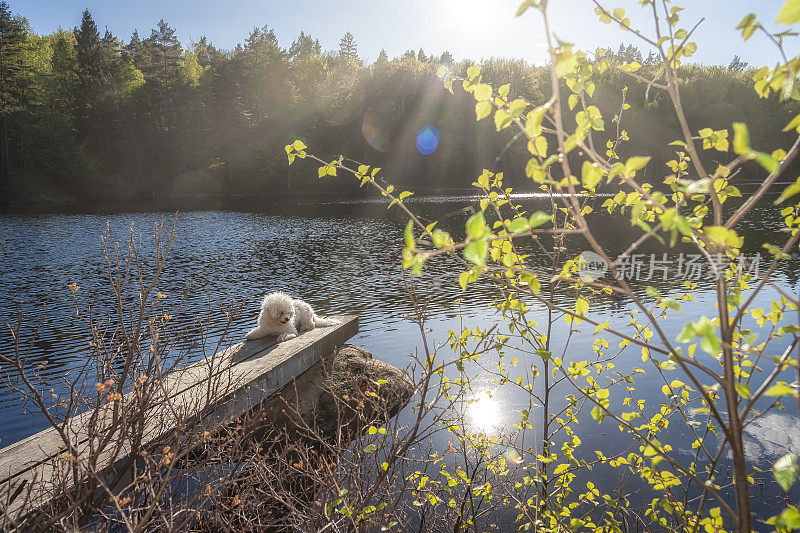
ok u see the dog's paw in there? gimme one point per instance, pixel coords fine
(285, 337)
(252, 334)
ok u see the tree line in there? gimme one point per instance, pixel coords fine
(90, 115)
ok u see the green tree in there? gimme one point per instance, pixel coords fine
(12, 42)
(166, 55)
(303, 47)
(89, 60)
(347, 46)
(382, 62)
(737, 66)
(446, 58)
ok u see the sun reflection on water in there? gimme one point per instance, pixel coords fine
(484, 413)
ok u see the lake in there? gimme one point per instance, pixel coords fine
(343, 256)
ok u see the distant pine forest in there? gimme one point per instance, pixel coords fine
(91, 116)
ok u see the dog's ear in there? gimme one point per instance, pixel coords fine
(273, 311)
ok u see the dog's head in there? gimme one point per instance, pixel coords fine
(280, 308)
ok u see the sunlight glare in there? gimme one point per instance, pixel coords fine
(484, 413)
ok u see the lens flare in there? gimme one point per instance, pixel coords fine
(427, 140)
(373, 130)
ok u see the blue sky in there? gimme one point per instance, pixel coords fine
(467, 28)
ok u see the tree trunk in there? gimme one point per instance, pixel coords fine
(732, 405)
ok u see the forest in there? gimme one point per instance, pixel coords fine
(86, 115)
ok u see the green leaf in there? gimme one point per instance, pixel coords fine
(538, 146)
(633, 66)
(743, 389)
(789, 13)
(482, 91)
(793, 125)
(516, 107)
(581, 306)
(476, 226)
(741, 138)
(544, 354)
(766, 161)
(476, 251)
(788, 520)
(483, 109)
(722, 235)
(572, 101)
(566, 62)
(789, 191)
(780, 389)
(523, 7)
(518, 225)
(299, 145)
(538, 218)
(598, 413)
(591, 175)
(408, 235)
(786, 471)
(440, 238)
(501, 119)
(635, 163)
(533, 126)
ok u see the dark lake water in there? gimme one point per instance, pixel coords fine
(342, 256)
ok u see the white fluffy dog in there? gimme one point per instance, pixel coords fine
(285, 317)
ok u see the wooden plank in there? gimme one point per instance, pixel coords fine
(27, 453)
(212, 391)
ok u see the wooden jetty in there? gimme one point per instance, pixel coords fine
(207, 394)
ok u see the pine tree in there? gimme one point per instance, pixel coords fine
(87, 46)
(304, 46)
(87, 49)
(446, 59)
(133, 49)
(737, 66)
(12, 43)
(261, 46)
(382, 62)
(110, 53)
(63, 63)
(260, 54)
(167, 50)
(347, 46)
